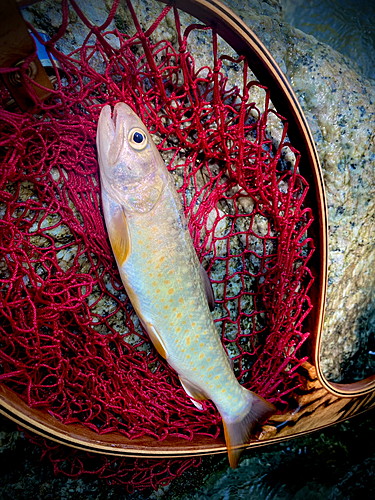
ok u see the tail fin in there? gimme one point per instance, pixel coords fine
(237, 432)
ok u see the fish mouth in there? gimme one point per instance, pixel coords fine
(120, 109)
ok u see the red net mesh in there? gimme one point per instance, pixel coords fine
(70, 341)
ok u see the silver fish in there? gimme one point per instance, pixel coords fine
(162, 274)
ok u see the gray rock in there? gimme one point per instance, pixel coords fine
(339, 106)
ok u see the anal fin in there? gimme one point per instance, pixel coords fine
(193, 392)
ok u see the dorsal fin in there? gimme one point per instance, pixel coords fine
(208, 289)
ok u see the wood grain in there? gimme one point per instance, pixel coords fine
(16, 45)
(316, 408)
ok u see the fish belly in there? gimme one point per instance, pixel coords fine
(163, 279)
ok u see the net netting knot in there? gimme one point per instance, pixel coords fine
(70, 341)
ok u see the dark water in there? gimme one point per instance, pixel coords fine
(337, 463)
(347, 26)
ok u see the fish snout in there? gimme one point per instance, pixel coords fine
(105, 135)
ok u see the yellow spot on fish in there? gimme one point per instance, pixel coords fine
(183, 350)
(181, 300)
(229, 397)
(154, 283)
(217, 376)
(170, 291)
(223, 390)
(160, 275)
(201, 344)
(166, 307)
(167, 282)
(188, 356)
(208, 360)
(218, 386)
(186, 331)
(158, 290)
(210, 368)
(201, 356)
(179, 315)
(162, 259)
(171, 271)
(162, 300)
(178, 329)
(144, 254)
(193, 324)
(187, 340)
(151, 275)
(141, 242)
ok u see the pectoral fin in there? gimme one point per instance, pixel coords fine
(119, 236)
(193, 391)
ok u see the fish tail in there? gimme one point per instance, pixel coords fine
(237, 432)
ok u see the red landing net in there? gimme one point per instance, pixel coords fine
(69, 339)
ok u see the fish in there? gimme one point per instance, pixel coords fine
(162, 275)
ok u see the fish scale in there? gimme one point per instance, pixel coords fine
(162, 273)
(171, 298)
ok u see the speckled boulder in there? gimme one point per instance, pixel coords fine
(339, 106)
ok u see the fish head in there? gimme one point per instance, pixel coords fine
(131, 169)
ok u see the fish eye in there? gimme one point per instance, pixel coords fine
(137, 138)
